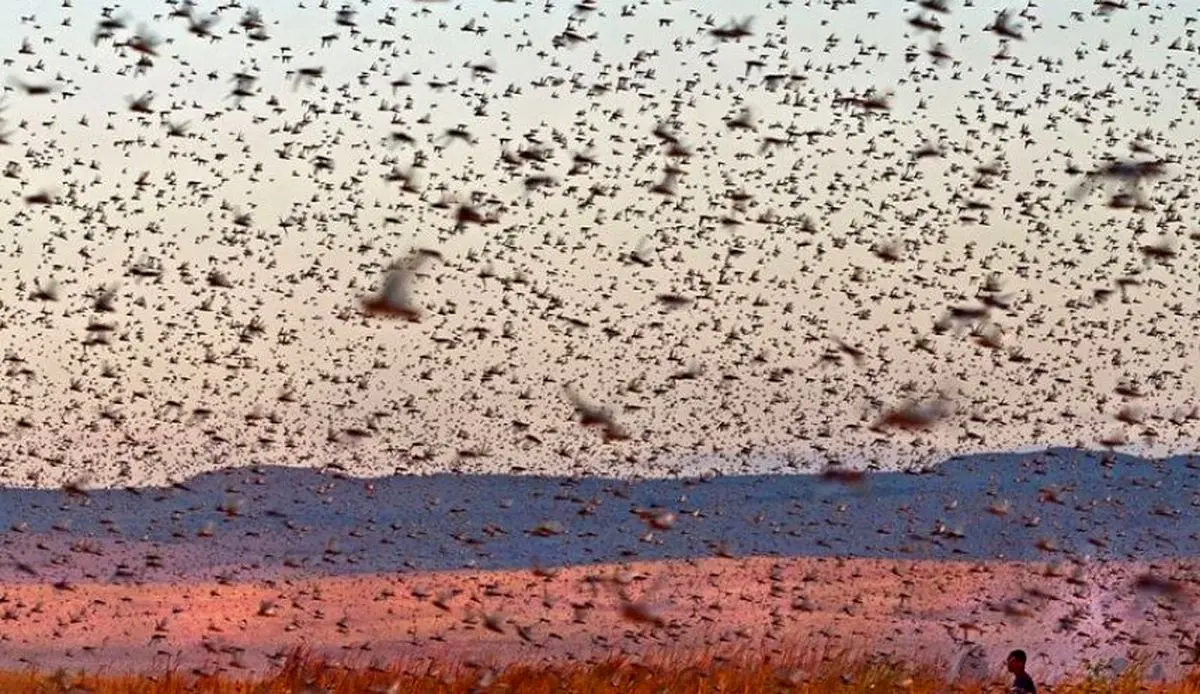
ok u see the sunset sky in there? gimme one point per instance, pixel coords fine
(484, 371)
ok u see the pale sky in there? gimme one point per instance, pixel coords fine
(1078, 88)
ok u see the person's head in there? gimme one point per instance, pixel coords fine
(1016, 661)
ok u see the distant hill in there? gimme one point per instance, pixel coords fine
(246, 522)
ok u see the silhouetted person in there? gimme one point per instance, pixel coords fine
(1022, 682)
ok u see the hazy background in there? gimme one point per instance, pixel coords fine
(150, 406)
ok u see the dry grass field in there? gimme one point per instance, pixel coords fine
(756, 624)
(304, 673)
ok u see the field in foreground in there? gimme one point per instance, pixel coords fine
(305, 673)
(966, 613)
